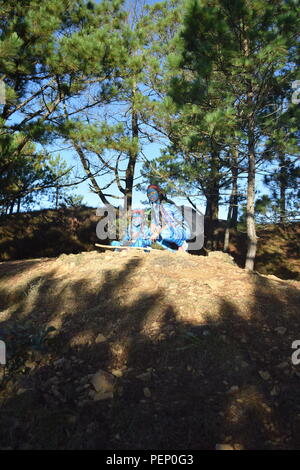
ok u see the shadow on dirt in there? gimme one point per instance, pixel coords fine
(178, 386)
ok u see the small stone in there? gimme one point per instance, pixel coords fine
(117, 372)
(100, 339)
(30, 364)
(281, 330)
(224, 447)
(21, 391)
(238, 446)
(103, 381)
(283, 365)
(59, 362)
(103, 396)
(144, 376)
(56, 393)
(53, 380)
(244, 364)
(72, 419)
(234, 388)
(264, 375)
(97, 396)
(147, 392)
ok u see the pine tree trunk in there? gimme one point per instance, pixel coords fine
(56, 198)
(233, 202)
(212, 201)
(234, 172)
(227, 230)
(133, 154)
(19, 205)
(283, 186)
(211, 213)
(250, 216)
(11, 209)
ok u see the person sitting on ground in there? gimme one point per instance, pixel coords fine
(167, 222)
(137, 233)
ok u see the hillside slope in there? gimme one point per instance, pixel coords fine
(47, 233)
(195, 352)
(51, 233)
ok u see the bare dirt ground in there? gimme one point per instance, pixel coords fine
(197, 351)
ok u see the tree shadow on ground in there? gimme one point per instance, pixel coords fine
(178, 386)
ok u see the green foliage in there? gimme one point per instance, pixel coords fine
(230, 76)
(27, 174)
(50, 54)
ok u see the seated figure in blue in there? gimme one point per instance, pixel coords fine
(137, 233)
(168, 226)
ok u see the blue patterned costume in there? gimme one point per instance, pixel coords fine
(167, 218)
(137, 233)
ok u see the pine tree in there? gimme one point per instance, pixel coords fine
(51, 53)
(250, 48)
(110, 139)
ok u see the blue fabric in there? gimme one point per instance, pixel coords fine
(136, 235)
(175, 235)
(140, 236)
(176, 229)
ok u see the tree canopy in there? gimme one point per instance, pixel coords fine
(210, 81)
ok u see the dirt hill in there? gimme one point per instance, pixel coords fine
(150, 351)
(51, 233)
(47, 233)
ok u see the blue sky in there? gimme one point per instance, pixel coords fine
(151, 150)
